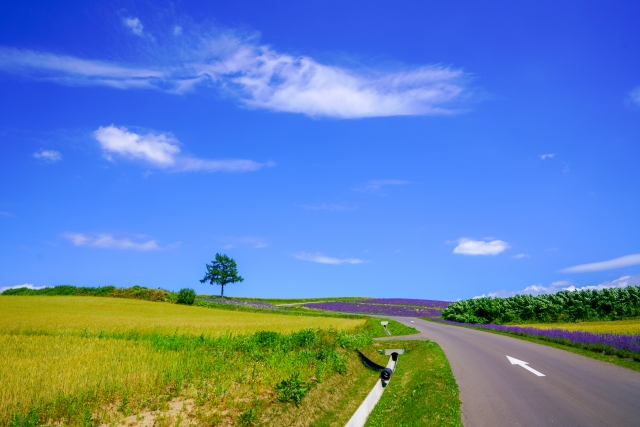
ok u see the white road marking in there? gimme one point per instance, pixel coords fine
(525, 365)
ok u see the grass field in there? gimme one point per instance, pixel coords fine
(422, 390)
(626, 327)
(76, 315)
(89, 362)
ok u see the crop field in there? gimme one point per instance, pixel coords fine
(74, 315)
(623, 327)
(94, 361)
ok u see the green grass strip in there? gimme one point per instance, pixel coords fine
(422, 391)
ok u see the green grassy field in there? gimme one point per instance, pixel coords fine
(96, 361)
(626, 327)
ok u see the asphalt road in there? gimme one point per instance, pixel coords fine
(575, 391)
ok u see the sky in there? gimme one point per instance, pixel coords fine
(415, 149)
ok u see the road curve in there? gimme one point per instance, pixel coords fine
(575, 391)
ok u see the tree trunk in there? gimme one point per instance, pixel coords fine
(222, 292)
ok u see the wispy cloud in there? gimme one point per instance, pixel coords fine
(25, 285)
(623, 261)
(324, 259)
(328, 207)
(163, 151)
(521, 256)
(566, 285)
(48, 155)
(134, 24)
(253, 242)
(6, 214)
(634, 97)
(467, 246)
(547, 156)
(377, 185)
(107, 241)
(257, 76)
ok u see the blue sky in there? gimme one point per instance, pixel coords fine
(410, 149)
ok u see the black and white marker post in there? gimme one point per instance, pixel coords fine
(359, 418)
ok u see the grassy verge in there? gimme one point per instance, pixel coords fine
(609, 358)
(398, 329)
(422, 391)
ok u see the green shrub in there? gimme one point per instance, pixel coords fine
(248, 418)
(292, 389)
(186, 296)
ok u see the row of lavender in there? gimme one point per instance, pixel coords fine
(626, 346)
(388, 307)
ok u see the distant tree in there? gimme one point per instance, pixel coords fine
(222, 271)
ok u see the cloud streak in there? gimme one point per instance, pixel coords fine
(252, 242)
(324, 259)
(163, 151)
(467, 246)
(624, 261)
(377, 185)
(547, 156)
(257, 76)
(48, 155)
(134, 25)
(107, 241)
(328, 207)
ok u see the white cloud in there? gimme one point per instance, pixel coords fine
(634, 96)
(25, 285)
(253, 242)
(566, 285)
(257, 76)
(624, 261)
(548, 156)
(375, 186)
(520, 256)
(177, 30)
(48, 155)
(324, 259)
(328, 207)
(163, 152)
(6, 214)
(134, 24)
(107, 241)
(468, 246)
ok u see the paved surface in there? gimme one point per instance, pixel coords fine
(575, 391)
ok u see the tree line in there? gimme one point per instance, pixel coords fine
(564, 306)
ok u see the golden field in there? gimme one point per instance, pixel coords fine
(625, 327)
(90, 361)
(60, 315)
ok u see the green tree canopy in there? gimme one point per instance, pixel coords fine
(222, 271)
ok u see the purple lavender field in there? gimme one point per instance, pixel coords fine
(386, 306)
(252, 304)
(621, 345)
(408, 301)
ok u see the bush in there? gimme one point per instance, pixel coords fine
(292, 389)
(186, 296)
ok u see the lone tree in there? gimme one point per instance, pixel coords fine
(222, 271)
